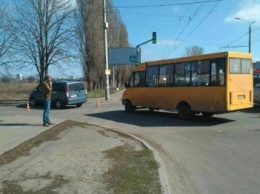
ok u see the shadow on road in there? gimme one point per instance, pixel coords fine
(40, 107)
(18, 124)
(255, 109)
(157, 119)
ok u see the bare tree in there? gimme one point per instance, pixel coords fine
(90, 41)
(46, 34)
(90, 33)
(193, 50)
(7, 38)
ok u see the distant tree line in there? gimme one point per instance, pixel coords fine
(41, 34)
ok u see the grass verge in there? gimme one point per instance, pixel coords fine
(132, 171)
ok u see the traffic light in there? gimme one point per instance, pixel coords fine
(154, 38)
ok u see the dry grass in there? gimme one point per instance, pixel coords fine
(21, 90)
(16, 90)
(133, 171)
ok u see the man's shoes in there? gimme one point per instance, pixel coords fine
(50, 123)
(45, 125)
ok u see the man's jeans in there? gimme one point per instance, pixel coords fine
(47, 106)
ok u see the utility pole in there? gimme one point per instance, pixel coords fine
(107, 72)
(249, 32)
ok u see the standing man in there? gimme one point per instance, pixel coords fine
(47, 88)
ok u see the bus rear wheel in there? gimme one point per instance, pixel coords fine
(129, 108)
(185, 112)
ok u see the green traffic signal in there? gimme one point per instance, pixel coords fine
(154, 38)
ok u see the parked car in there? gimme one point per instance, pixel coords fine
(257, 93)
(256, 80)
(63, 93)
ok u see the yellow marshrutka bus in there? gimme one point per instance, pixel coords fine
(204, 84)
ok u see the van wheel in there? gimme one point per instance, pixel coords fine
(79, 105)
(185, 112)
(32, 102)
(58, 104)
(129, 108)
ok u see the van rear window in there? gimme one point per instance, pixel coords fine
(76, 87)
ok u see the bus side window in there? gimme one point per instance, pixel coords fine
(179, 76)
(152, 73)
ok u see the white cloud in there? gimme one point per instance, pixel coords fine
(249, 11)
(256, 59)
(168, 42)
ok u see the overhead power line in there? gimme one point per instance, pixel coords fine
(165, 5)
(197, 26)
(171, 46)
(156, 15)
(230, 45)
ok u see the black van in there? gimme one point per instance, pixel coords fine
(63, 93)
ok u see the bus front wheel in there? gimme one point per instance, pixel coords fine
(129, 108)
(185, 112)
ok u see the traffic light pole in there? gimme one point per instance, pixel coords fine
(137, 47)
(137, 50)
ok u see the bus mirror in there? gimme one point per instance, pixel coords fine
(126, 85)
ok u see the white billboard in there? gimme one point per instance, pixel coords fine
(123, 56)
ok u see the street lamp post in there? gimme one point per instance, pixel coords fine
(106, 51)
(249, 32)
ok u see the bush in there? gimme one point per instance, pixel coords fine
(6, 79)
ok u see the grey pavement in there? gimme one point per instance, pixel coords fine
(16, 129)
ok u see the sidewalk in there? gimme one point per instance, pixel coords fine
(17, 129)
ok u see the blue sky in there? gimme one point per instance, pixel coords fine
(210, 24)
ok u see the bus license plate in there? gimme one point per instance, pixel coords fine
(241, 97)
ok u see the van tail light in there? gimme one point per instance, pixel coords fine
(67, 91)
(230, 97)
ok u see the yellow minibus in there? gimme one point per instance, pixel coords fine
(205, 84)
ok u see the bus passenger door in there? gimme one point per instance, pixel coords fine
(139, 89)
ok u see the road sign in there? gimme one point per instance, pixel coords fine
(123, 56)
(132, 58)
